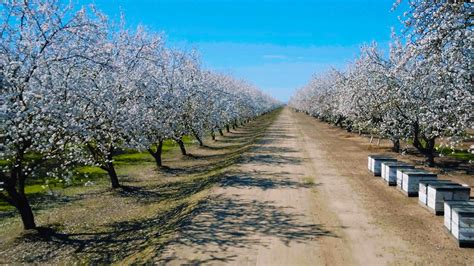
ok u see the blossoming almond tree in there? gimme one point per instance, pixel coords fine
(109, 91)
(435, 73)
(39, 42)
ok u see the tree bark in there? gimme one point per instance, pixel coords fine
(181, 146)
(26, 213)
(349, 127)
(110, 168)
(19, 200)
(213, 136)
(428, 149)
(396, 145)
(157, 154)
(221, 133)
(198, 138)
(227, 128)
(339, 121)
(430, 153)
(113, 175)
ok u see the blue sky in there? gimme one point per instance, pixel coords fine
(277, 44)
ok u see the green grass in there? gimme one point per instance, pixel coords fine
(132, 158)
(453, 153)
(30, 191)
(458, 154)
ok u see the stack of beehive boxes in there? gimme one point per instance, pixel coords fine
(408, 180)
(439, 196)
(375, 163)
(389, 171)
(438, 193)
(459, 221)
(423, 189)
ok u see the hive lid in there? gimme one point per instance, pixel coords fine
(449, 187)
(453, 203)
(437, 181)
(380, 156)
(424, 173)
(464, 211)
(413, 170)
(391, 163)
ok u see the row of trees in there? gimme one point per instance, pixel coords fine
(421, 92)
(75, 88)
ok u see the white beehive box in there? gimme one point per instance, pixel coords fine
(375, 163)
(411, 180)
(389, 171)
(400, 173)
(462, 225)
(449, 205)
(438, 193)
(423, 189)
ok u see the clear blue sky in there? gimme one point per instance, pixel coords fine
(277, 44)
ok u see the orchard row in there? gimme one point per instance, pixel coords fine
(76, 87)
(420, 92)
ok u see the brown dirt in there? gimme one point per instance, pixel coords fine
(303, 196)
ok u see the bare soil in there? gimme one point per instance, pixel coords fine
(303, 196)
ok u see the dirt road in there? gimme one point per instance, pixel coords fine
(303, 196)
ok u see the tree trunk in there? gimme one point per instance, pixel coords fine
(349, 127)
(213, 136)
(15, 197)
(198, 138)
(416, 137)
(26, 213)
(428, 149)
(430, 153)
(19, 200)
(113, 175)
(227, 128)
(396, 145)
(339, 121)
(181, 146)
(157, 154)
(109, 167)
(221, 133)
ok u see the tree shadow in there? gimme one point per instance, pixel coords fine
(113, 243)
(168, 191)
(225, 223)
(43, 201)
(271, 159)
(208, 165)
(274, 149)
(264, 180)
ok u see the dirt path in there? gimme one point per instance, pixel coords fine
(303, 196)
